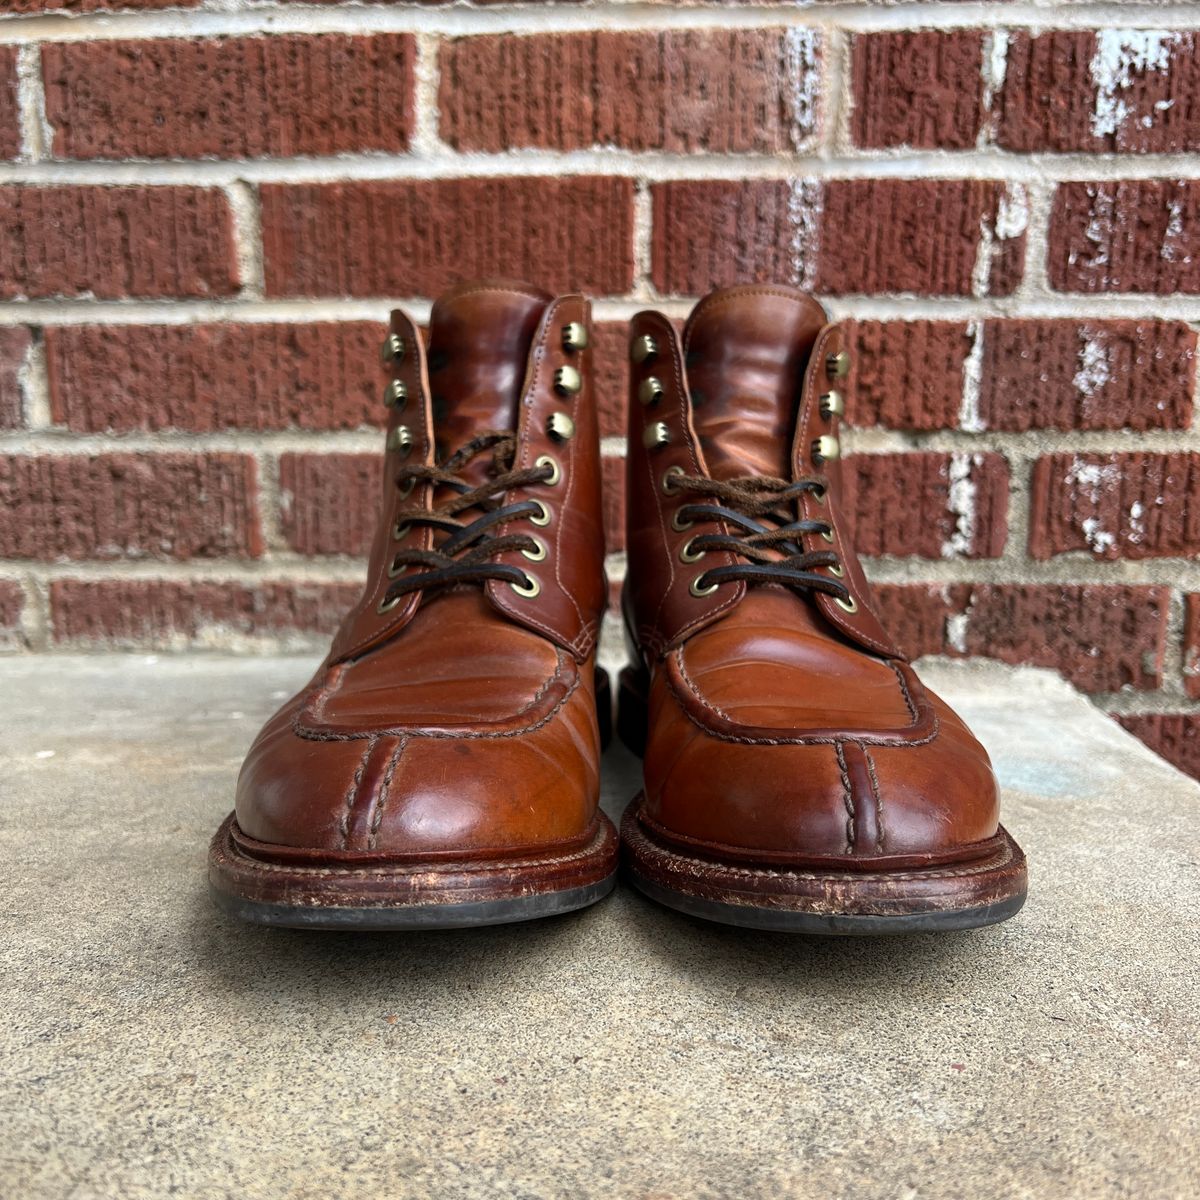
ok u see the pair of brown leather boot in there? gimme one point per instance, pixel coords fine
(442, 768)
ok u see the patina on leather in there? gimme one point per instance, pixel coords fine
(455, 717)
(782, 724)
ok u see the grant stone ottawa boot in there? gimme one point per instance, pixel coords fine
(442, 767)
(798, 776)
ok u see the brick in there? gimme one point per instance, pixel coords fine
(1132, 91)
(1100, 638)
(203, 378)
(248, 97)
(15, 341)
(1121, 505)
(1126, 236)
(1025, 375)
(330, 502)
(124, 505)
(907, 374)
(416, 237)
(115, 242)
(10, 111)
(613, 476)
(12, 604)
(181, 614)
(927, 504)
(610, 365)
(1191, 645)
(1173, 736)
(682, 91)
(950, 237)
(920, 88)
(919, 615)
(841, 237)
(1086, 375)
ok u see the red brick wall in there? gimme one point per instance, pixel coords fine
(200, 238)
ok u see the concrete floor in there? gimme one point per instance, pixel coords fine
(151, 1047)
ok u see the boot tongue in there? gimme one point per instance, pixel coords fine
(480, 335)
(745, 351)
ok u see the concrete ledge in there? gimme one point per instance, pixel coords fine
(150, 1046)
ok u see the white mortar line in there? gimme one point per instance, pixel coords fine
(270, 507)
(35, 612)
(1035, 282)
(1017, 447)
(994, 164)
(1053, 306)
(287, 567)
(1069, 570)
(994, 66)
(1031, 444)
(839, 94)
(426, 140)
(643, 241)
(1073, 570)
(34, 382)
(60, 441)
(37, 138)
(247, 237)
(216, 19)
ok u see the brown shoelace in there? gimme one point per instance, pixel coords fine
(466, 555)
(771, 550)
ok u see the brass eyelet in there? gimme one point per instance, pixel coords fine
(560, 427)
(837, 366)
(643, 349)
(833, 404)
(395, 569)
(668, 475)
(650, 391)
(395, 394)
(400, 441)
(529, 591)
(541, 518)
(837, 571)
(538, 554)
(850, 606)
(697, 589)
(656, 436)
(687, 554)
(827, 534)
(819, 494)
(545, 460)
(574, 336)
(567, 381)
(400, 530)
(405, 489)
(826, 449)
(387, 604)
(678, 524)
(392, 350)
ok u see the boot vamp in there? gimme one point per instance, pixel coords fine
(771, 739)
(458, 664)
(466, 735)
(773, 663)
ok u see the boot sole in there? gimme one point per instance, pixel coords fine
(826, 903)
(964, 895)
(398, 896)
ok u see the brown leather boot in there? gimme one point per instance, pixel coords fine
(442, 768)
(797, 774)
